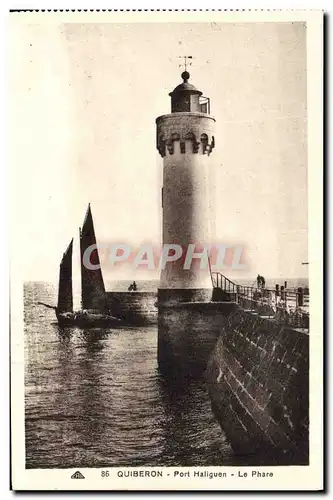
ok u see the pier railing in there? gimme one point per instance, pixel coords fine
(222, 282)
(288, 306)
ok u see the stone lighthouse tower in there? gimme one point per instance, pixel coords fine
(185, 140)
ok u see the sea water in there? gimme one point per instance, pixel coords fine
(95, 398)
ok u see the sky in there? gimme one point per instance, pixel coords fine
(82, 109)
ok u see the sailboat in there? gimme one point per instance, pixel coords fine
(94, 312)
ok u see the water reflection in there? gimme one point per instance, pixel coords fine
(191, 434)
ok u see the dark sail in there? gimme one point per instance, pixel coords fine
(65, 292)
(93, 290)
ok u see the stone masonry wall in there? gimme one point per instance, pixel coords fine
(258, 383)
(187, 334)
(135, 308)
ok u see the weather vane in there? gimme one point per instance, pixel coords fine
(186, 62)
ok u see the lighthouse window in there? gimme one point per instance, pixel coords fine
(181, 103)
(204, 108)
(204, 105)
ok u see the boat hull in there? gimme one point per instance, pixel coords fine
(88, 321)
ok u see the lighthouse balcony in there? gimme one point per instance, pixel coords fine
(193, 129)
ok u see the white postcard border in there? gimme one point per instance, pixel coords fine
(285, 478)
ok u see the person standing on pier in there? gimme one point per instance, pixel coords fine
(261, 282)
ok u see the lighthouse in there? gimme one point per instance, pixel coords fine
(185, 141)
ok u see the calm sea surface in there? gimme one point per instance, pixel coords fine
(95, 398)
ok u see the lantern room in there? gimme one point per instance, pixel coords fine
(186, 98)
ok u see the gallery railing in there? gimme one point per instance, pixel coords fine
(286, 306)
